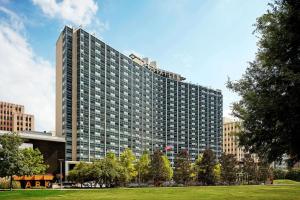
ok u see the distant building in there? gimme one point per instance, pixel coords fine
(230, 140)
(51, 147)
(107, 102)
(13, 118)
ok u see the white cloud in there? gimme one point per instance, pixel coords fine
(26, 78)
(78, 12)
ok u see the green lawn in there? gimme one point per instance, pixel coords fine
(285, 181)
(290, 192)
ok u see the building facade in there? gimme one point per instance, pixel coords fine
(13, 118)
(106, 101)
(231, 142)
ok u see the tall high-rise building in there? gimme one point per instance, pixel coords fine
(106, 101)
(13, 118)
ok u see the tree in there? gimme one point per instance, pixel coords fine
(167, 169)
(205, 165)
(32, 161)
(228, 164)
(160, 168)
(98, 172)
(111, 170)
(265, 172)
(16, 161)
(143, 167)
(270, 88)
(182, 172)
(81, 173)
(127, 161)
(249, 168)
(10, 156)
(217, 172)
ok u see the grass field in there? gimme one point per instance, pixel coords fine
(286, 181)
(287, 192)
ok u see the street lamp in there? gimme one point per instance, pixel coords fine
(60, 162)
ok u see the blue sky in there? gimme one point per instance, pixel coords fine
(204, 40)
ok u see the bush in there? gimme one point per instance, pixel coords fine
(4, 184)
(293, 174)
(279, 173)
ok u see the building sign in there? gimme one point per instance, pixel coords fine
(36, 181)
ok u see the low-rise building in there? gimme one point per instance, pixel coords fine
(52, 147)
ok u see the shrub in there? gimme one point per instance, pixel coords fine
(279, 173)
(4, 184)
(293, 174)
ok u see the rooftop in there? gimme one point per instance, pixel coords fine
(152, 66)
(35, 135)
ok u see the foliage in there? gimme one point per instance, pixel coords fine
(193, 174)
(205, 165)
(81, 173)
(265, 172)
(127, 161)
(32, 162)
(160, 168)
(97, 172)
(143, 167)
(228, 164)
(217, 172)
(293, 174)
(279, 173)
(250, 168)
(16, 161)
(10, 155)
(111, 170)
(167, 169)
(5, 184)
(270, 88)
(182, 172)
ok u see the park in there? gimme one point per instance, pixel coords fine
(258, 192)
(127, 129)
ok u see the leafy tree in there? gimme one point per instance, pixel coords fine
(193, 175)
(16, 161)
(10, 156)
(217, 172)
(127, 161)
(265, 172)
(182, 172)
(270, 88)
(111, 170)
(279, 173)
(81, 173)
(205, 165)
(167, 169)
(250, 168)
(143, 167)
(97, 172)
(160, 168)
(229, 169)
(32, 161)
